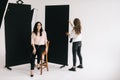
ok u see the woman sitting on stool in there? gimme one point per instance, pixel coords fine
(39, 43)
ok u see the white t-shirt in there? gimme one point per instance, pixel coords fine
(76, 37)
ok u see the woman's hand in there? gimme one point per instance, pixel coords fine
(70, 23)
(67, 33)
(34, 51)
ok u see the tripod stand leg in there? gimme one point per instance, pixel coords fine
(62, 66)
(8, 68)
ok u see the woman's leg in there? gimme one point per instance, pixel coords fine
(79, 55)
(74, 50)
(38, 57)
(32, 62)
(39, 53)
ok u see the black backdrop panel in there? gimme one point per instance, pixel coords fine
(56, 25)
(2, 9)
(18, 34)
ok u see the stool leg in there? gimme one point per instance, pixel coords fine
(47, 62)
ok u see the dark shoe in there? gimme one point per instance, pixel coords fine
(79, 66)
(31, 75)
(72, 69)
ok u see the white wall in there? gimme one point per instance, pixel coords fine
(101, 41)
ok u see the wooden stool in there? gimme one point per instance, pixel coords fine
(44, 59)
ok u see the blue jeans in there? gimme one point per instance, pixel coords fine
(76, 50)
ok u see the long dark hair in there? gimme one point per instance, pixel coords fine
(77, 25)
(35, 28)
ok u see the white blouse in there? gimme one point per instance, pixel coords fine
(76, 37)
(39, 40)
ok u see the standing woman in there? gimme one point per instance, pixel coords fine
(76, 39)
(39, 43)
